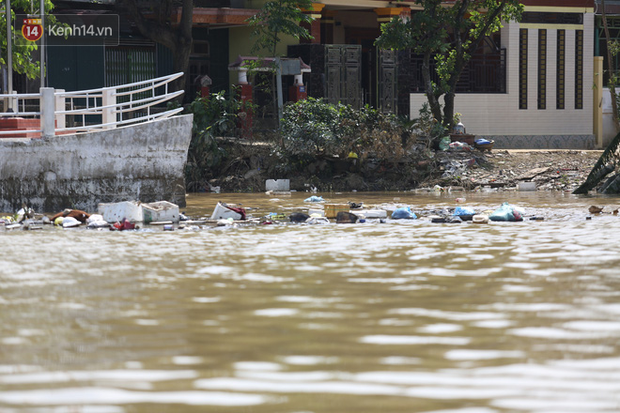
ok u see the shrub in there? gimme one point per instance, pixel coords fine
(312, 128)
(214, 116)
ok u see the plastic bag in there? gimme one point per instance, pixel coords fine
(69, 222)
(444, 143)
(507, 212)
(403, 213)
(314, 198)
(459, 147)
(464, 211)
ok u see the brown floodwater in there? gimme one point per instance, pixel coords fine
(401, 316)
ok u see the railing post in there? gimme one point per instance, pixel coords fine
(108, 114)
(47, 112)
(13, 103)
(61, 118)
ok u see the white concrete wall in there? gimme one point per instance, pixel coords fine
(609, 128)
(499, 114)
(143, 162)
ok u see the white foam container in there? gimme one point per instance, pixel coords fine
(115, 212)
(316, 212)
(221, 212)
(480, 219)
(278, 185)
(526, 186)
(160, 211)
(370, 213)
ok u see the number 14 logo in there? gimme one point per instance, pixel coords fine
(32, 29)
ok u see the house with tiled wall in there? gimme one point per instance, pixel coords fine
(536, 88)
(548, 100)
(536, 93)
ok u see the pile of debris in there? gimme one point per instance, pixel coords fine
(545, 170)
(113, 216)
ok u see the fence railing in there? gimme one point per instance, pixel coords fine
(94, 109)
(484, 74)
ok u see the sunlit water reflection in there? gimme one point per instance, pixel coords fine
(393, 317)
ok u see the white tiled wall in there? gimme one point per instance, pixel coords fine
(499, 114)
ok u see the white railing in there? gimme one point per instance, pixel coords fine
(94, 109)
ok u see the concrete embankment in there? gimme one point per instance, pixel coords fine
(144, 162)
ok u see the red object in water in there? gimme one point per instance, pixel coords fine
(238, 210)
(122, 226)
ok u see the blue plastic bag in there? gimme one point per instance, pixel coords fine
(403, 213)
(507, 212)
(314, 198)
(464, 211)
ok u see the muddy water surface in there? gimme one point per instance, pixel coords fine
(393, 317)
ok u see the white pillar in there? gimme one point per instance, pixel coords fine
(109, 114)
(42, 44)
(47, 112)
(61, 118)
(243, 76)
(13, 104)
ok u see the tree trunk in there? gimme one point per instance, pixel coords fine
(448, 111)
(433, 102)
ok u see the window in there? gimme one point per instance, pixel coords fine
(542, 69)
(560, 86)
(579, 69)
(523, 68)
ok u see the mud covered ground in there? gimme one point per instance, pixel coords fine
(562, 170)
(248, 165)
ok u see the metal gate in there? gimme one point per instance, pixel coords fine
(128, 65)
(343, 67)
(387, 82)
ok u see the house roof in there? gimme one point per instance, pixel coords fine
(216, 16)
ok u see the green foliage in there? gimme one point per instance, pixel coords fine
(312, 128)
(214, 116)
(277, 18)
(449, 36)
(23, 60)
(427, 127)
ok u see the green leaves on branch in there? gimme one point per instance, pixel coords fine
(277, 18)
(449, 35)
(23, 60)
(214, 116)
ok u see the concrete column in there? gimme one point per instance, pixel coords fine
(327, 22)
(314, 28)
(109, 114)
(48, 109)
(598, 101)
(61, 118)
